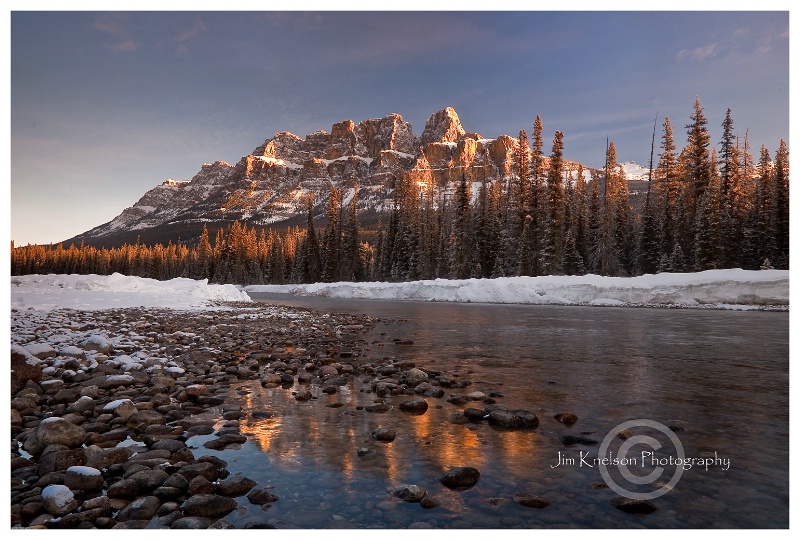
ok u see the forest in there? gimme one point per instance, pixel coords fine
(704, 208)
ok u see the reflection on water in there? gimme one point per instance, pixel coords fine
(721, 377)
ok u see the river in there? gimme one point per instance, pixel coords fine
(719, 379)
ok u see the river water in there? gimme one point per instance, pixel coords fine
(719, 379)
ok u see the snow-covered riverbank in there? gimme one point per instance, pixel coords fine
(731, 289)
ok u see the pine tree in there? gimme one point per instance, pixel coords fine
(782, 205)
(698, 164)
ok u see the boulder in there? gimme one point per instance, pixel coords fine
(54, 430)
(460, 477)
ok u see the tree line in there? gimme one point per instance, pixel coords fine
(704, 208)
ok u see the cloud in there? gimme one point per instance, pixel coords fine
(195, 31)
(700, 53)
(114, 24)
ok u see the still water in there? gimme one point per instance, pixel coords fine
(719, 378)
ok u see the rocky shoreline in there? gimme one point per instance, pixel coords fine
(103, 403)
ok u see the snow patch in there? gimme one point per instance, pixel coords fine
(91, 292)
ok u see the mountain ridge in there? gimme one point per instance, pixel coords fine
(269, 186)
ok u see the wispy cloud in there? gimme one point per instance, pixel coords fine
(114, 24)
(700, 53)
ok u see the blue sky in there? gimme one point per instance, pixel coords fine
(105, 106)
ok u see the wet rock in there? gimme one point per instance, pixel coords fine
(566, 418)
(235, 486)
(633, 506)
(123, 408)
(364, 452)
(414, 405)
(435, 392)
(569, 440)
(271, 379)
(378, 408)
(58, 500)
(460, 477)
(200, 486)
(202, 468)
(261, 496)
(513, 419)
(530, 500)
(429, 502)
(223, 441)
(384, 434)
(221, 524)
(458, 418)
(209, 506)
(410, 493)
(303, 395)
(474, 415)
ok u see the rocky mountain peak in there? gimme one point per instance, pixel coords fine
(443, 126)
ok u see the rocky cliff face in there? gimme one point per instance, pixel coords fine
(271, 184)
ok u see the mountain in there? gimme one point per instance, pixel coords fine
(270, 185)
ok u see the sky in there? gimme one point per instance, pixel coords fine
(106, 105)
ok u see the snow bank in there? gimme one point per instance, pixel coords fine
(89, 292)
(731, 289)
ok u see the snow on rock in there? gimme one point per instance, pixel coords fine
(730, 288)
(41, 350)
(58, 500)
(90, 292)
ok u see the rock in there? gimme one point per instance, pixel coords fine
(208, 470)
(530, 500)
(261, 496)
(328, 371)
(460, 477)
(633, 506)
(58, 500)
(221, 524)
(384, 434)
(60, 460)
(458, 418)
(209, 506)
(196, 390)
(200, 486)
(474, 415)
(566, 418)
(223, 441)
(435, 392)
(569, 440)
(143, 508)
(303, 395)
(24, 367)
(513, 419)
(377, 408)
(192, 522)
(81, 478)
(429, 502)
(235, 486)
(123, 408)
(140, 420)
(415, 405)
(149, 479)
(54, 430)
(410, 493)
(271, 379)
